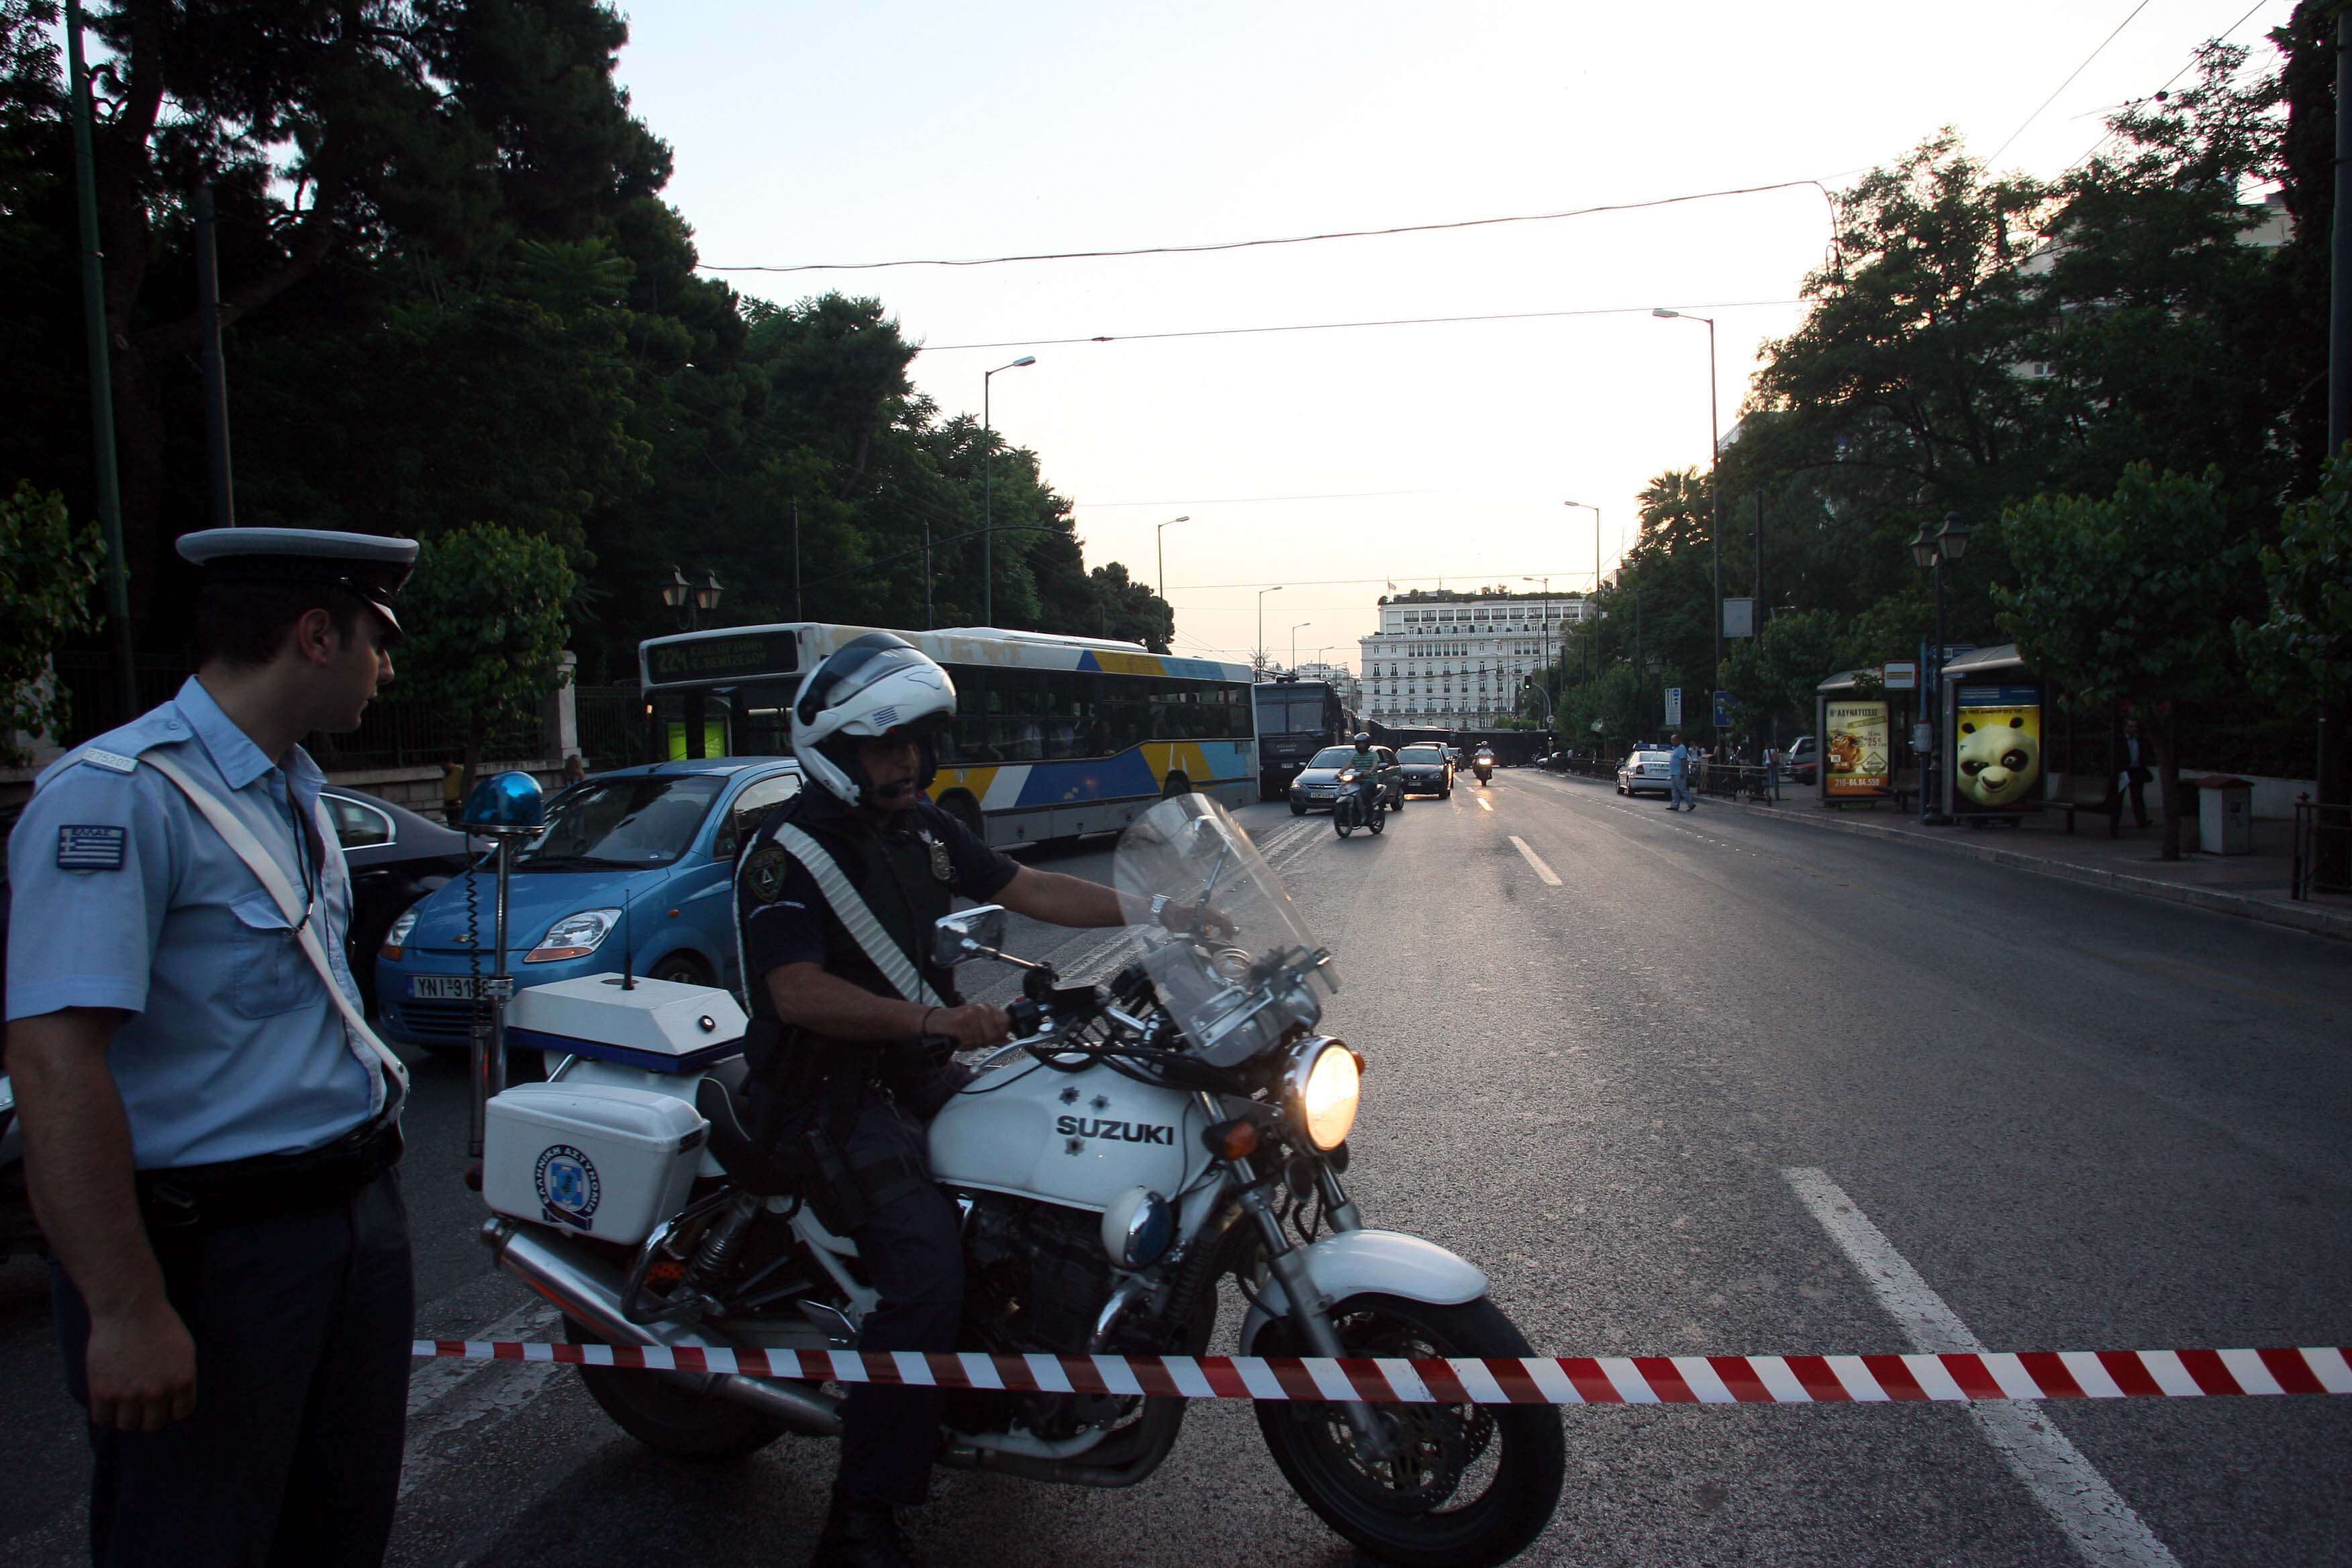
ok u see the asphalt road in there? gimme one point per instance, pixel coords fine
(1649, 1100)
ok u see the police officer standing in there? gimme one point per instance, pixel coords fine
(863, 1064)
(209, 1129)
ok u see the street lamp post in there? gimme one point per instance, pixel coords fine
(1294, 643)
(1544, 612)
(1586, 506)
(692, 601)
(987, 498)
(1160, 549)
(1262, 592)
(1714, 506)
(1931, 551)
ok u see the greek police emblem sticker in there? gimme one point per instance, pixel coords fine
(763, 873)
(941, 866)
(569, 1191)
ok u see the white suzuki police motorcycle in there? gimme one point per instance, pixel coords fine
(1140, 1143)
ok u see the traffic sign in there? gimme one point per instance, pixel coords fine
(1674, 705)
(1901, 675)
(1723, 709)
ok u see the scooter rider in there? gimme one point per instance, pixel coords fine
(851, 1069)
(1367, 763)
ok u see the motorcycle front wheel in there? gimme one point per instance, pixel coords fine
(1468, 1483)
(671, 1419)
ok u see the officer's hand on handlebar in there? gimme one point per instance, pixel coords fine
(972, 1025)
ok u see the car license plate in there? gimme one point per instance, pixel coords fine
(440, 988)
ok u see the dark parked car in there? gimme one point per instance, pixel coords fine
(396, 858)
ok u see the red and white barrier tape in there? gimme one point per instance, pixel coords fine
(1534, 1380)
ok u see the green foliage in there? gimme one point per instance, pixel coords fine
(48, 570)
(2126, 600)
(486, 626)
(2300, 653)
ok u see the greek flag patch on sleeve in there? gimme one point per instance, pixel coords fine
(90, 848)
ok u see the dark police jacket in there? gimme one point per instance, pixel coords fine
(909, 873)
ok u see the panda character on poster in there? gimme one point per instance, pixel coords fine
(1998, 759)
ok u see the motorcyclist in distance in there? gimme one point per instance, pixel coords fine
(1367, 763)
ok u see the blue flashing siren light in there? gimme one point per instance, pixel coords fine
(503, 805)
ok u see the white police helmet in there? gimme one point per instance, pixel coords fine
(877, 685)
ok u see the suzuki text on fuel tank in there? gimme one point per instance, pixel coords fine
(1138, 1144)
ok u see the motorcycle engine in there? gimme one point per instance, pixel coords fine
(1035, 1279)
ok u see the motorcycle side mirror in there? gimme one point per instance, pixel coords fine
(976, 932)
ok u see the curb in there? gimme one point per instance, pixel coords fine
(2317, 923)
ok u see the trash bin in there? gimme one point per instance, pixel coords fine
(2225, 816)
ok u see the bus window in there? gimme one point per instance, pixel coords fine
(966, 743)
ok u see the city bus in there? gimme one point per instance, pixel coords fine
(1296, 718)
(1055, 736)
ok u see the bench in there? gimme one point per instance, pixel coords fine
(2078, 792)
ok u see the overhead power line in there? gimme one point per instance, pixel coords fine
(1290, 239)
(1563, 574)
(1238, 500)
(2062, 86)
(1349, 326)
(2191, 65)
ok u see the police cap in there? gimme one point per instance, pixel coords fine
(369, 566)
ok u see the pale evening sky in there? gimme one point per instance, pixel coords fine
(831, 134)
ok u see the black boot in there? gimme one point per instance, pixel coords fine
(861, 1533)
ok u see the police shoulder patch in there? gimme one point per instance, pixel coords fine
(763, 872)
(87, 847)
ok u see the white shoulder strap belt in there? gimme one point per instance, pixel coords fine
(857, 918)
(258, 860)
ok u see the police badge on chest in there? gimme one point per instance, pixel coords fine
(942, 867)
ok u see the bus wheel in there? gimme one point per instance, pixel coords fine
(1177, 784)
(966, 810)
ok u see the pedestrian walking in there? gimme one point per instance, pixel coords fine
(1678, 762)
(210, 1127)
(2132, 775)
(1772, 773)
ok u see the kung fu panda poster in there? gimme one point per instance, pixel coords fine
(1996, 749)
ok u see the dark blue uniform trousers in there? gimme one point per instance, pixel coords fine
(302, 1326)
(912, 1249)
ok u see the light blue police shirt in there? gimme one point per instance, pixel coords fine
(121, 895)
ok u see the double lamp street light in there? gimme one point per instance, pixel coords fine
(1930, 550)
(1715, 498)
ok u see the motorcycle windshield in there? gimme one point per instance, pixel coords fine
(1190, 850)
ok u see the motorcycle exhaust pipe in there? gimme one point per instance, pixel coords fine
(583, 1291)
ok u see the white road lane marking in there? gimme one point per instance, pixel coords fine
(2102, 1528)
(1484, 804)
(1551, 878)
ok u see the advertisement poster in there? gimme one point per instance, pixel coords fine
(1996, 749)
(1856, 751)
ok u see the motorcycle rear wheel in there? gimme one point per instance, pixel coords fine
(1405, 1511)
(670, 1420)
(1379, 823)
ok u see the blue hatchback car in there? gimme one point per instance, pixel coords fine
(640, 858)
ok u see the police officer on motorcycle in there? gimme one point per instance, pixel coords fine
(848, 1068)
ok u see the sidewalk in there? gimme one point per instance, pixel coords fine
(2251, 886)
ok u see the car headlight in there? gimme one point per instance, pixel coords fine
(1320, 1091)
(574, 936)
(397, 937)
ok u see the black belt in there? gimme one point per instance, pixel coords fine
(186, 1200)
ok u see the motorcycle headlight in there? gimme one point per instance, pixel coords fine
(397, 938)
(1346, 776)
(1320, 1091)
(574, 936)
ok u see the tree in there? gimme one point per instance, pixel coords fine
(486, 622)
(48, 571)
(2127, 602)
(2299, 654)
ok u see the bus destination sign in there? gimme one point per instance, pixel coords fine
(741, 657)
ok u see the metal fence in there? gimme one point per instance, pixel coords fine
(612, 726)
(2323, 849)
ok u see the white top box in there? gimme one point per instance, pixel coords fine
(657, 1024)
